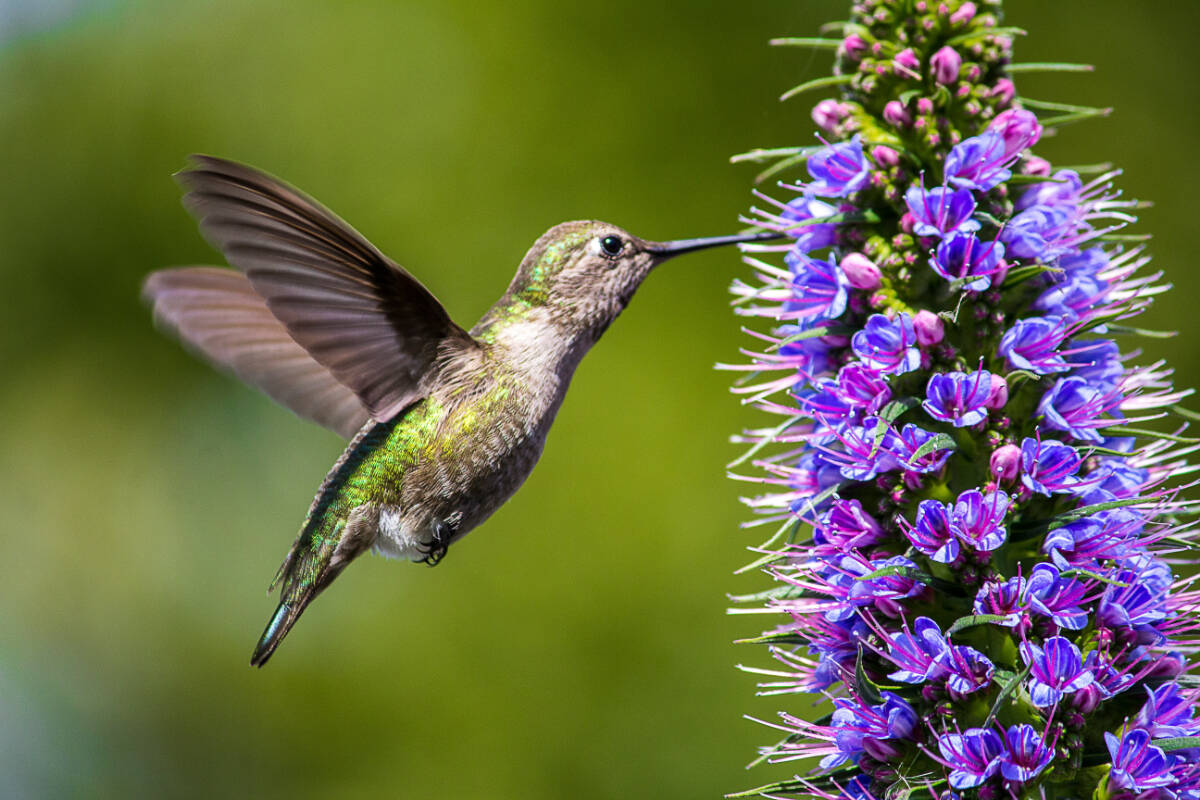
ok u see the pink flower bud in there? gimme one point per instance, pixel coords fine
(1019, 128)
(861, 272)
(946, 64)
(964, 14)
(885, 156)
(998, 393)
(906, 59)
(1004, 90)
(1086, 699)
(1006, 462)
(924, 105)
(929, 328)
(854, 46)
(1036, 165)
(895, 114)
(828, 113)
(907, 222)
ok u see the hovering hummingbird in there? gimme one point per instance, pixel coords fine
(444, 424)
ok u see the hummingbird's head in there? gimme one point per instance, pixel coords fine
(586, 272)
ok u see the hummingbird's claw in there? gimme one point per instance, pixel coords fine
(439, 545)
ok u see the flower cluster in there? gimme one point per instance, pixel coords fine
(973, 518)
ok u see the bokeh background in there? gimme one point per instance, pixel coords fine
(577, 645)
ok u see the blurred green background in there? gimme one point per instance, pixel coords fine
(577, 645)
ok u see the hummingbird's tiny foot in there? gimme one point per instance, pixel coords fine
(440, 544)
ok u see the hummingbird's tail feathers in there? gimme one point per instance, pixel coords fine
(218, 314)
(318, 556)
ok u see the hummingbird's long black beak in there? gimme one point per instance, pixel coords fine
(680, 246)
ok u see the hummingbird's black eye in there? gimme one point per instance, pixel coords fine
(612, 246)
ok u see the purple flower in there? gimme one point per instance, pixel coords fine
(1136, 764)
(839, 169)
(867, 729)
(1073, 298)
(978, 519)
(1048, 466)
(1098, 362)
(1055, 669)
(962, 255)
(1002, 599)
(904, 447)
(863, 453)
(931, 533)
(888, 345)
(859, 387)
(973, 755)
(1089, 541)
(1058, 598)
(959, 398)
(940, 211)
(1019, 128)
(1038, 232)
(1064, 190)
(847, 526)
(1168, 713)
(819, 288)
(1075, 406)
(1026, 755)
(915, 654)
(809, 235)
(1137, 599)
(1033, 344)
(967, 669)
(979, 163)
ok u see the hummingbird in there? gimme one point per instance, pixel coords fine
(444, 423)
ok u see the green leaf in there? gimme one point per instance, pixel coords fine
(1067, 517)
(769, 439)
(1185, 413)
(1049, 66)
(1021, 274)
(766, 558)
(817, 83)
(942, 441)
(1176, 743)
(806, 41)
(1070, 573)
(760, 154)
(971, 36)
(1011, 686)
(777, 637)
(1143, 332)
(1019, 180)
(1124, 430)
(962, 623)
(897, 569)
(867, 690)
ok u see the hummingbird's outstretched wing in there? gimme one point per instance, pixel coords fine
(216, 311)
(355, 311)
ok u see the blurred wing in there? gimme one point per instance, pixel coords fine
(217, 312)
(374, 326)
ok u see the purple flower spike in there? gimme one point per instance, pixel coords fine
(888, 345)
(979, 163)
(1055, 669)
(1136, 764)
(1026, 754)
(962, 255)
(847, 526)
(978, 519)
(812, 236)
(1049, 466)
(819, 288)
(932, 534)
(1033, 344)
(967, 669)
(1038, 232)
(859, 387)
(959, 398)
(940, 211)
(839, 169)
(1003, 599)
(973, 755)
